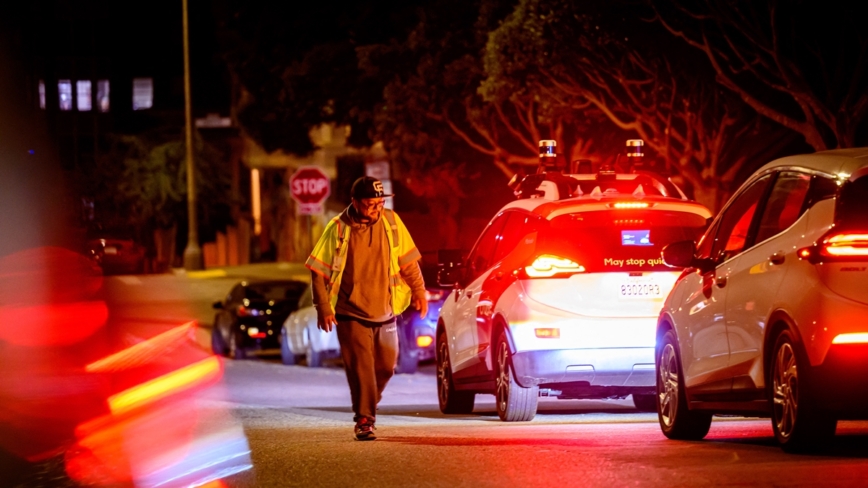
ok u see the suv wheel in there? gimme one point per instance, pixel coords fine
(218, 345)
(798, 426)
(236, 350)
(407, 362)
(645, 402)
(676, 420)
(514, 402)
(450, 399)
(286, 355)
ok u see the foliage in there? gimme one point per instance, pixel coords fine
(143, 182)
(803, 65)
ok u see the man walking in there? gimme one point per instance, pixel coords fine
(364, 272)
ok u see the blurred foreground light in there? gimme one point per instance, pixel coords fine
(143, 352)
(854, 338)
(197, 374)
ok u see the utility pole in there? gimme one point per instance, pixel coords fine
(192, 253)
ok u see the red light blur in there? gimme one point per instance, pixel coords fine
(242, 311)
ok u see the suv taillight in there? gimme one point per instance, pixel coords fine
(549, 266)
(837, 246)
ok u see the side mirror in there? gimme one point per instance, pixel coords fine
(451, 267)
(217, 305)
(679, 254)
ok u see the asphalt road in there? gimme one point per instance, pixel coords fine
(298, 425)
(299, 429)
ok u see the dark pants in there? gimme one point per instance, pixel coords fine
(370, 355)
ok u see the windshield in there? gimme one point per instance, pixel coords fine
(272, 291)
(619, 240)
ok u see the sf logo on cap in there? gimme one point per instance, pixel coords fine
(378, 186)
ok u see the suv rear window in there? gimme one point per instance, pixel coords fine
(619, 240)
(852, 207)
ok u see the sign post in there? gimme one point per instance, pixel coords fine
(309, 187)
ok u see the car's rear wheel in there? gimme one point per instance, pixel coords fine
(676, 420)
(313, 358)
(451, 400)
(799, 425)
(514, 402)
(407, 362)
(218, 345)
(286, 355)
(645, 402)
(236, 350)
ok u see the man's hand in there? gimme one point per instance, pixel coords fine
(420, 303)
(326, 321)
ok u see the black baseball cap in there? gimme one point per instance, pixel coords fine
(368, 187)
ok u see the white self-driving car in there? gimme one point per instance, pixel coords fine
(771, 315)
(560, 296)
(301, 338)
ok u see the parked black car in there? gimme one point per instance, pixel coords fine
(115, 251)
(251, 315)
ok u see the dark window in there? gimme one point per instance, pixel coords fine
(482, 255)
(732, 234)
(703, 249)
(518, 225)
(275, 291)
(852, 209)
(822, 188)
(784, 205)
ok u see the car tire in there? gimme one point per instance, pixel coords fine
(514, 402)
(218, 345)
(677, 421)
(286, 355)
(236, 350)
(407, 362)
(451, 400)
(312, 357)
(798, 424)
(645, 402)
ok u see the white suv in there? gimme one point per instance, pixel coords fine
(771, 316)
(559, 297)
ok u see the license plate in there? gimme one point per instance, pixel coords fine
(647, 289)
(110, 250)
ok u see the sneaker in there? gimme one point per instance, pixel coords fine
(364, 430)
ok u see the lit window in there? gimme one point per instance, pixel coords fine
(82, 95)
(143, 93)
(64, 93)
(41, 94)
(102, 95)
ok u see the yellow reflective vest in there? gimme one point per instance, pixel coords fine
(329, 257)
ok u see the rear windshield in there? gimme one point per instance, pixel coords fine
(275, 291)
(619, 240)
(639, 184)
(852, 208)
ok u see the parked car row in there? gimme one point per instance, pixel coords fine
(267, 316)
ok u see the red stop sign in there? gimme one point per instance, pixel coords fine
(309, 185)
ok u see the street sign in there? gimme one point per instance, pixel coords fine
(309, 187)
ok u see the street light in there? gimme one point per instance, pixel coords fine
(192, 253)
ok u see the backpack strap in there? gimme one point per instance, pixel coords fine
(390, 218)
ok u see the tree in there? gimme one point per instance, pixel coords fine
(800, 64)
(574, 57)
(141, 183)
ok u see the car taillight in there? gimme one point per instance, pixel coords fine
(433, 295)
(628, 205)
(424, 341)
(851, 338)
(549, 266)
(837, 246)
